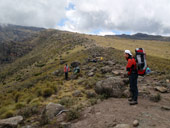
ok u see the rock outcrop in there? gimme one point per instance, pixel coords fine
(11, 122)
(111, 87)
(50, 111)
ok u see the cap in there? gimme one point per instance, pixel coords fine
(128, 52)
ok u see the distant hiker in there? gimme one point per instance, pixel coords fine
(133, 75)
(66, 70)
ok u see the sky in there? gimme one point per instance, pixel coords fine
(100, 17)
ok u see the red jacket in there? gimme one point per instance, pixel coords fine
(66, 69)
(131, 66)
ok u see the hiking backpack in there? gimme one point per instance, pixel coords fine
(141, 61)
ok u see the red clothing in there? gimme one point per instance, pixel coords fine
(131, 66)
(66, 69)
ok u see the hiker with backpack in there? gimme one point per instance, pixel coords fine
(66, 70)
(133, 76)
(76, 70)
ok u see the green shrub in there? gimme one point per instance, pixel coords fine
(155, 97)
(39, 92)
(19, 105)
(28, 111)
(16, 97)
(28, 100)
(102, 97)
(73, 114)
(93, 101)
(89, 83)
(3, 110)
(66, 101)
(37, 74)
(36, 101)
(54, 87)
(8, 114)
(18, 78)
(47, 92)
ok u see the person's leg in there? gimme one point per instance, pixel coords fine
(131, 88)
(135, 88)
(65, 75)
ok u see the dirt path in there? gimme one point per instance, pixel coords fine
(113, 111)
(117, 111)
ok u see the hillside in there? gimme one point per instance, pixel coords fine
(33, 86)
(142, 36)
(16, 33)
(15, 41)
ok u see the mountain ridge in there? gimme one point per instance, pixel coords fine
(141, 36)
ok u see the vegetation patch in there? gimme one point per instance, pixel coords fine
(73, 114)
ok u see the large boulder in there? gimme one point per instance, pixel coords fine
(161, 89)
(11, 122)
(77, 93)
(50, 111)
(75, 64)
(116, 73)
(90, 94)
(57, 72)
(111, 87)
(93, 69)
(111, 63)
(90, 74)
(106, 69)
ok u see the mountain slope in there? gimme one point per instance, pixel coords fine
(17, 33)
(36, 79)
(15, 41)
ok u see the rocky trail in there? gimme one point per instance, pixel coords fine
(111, 112)
(115, 112)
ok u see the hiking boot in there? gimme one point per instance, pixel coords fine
(130, 99)
(133, 102)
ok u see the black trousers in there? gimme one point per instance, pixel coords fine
(133, 86)
(66, 75)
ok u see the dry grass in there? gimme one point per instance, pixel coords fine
(153, 48)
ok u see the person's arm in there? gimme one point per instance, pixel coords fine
(64, 68)
(129, 65)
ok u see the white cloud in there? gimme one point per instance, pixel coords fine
(103, 33)
(41, 13)
(150, 16)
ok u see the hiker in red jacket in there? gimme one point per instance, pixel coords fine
(133, 75)
(66, 70)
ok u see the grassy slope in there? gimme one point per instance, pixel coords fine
(152, 48)
(158, 54)
(15, 41)
(24, 82)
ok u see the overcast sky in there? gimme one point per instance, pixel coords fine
(90, 16)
